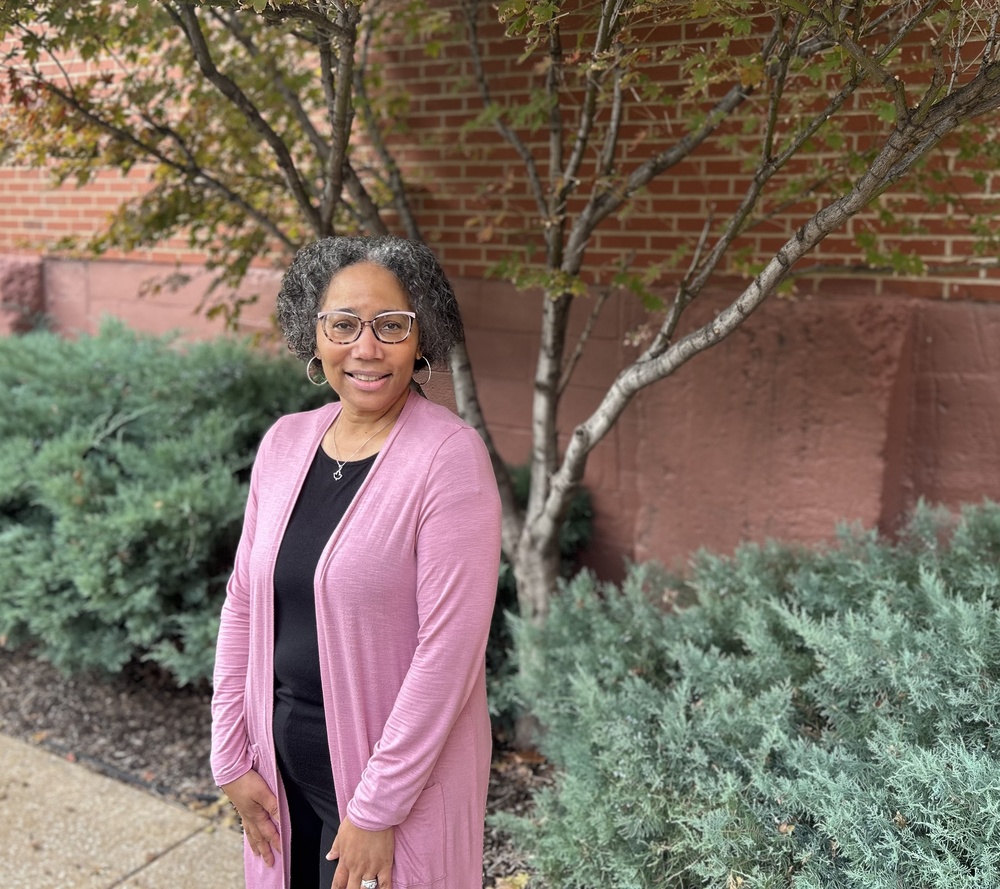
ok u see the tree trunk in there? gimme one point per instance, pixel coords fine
(536, 571)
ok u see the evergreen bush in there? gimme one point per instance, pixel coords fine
(124, 462)
(784, 718)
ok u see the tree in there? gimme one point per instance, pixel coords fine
(274, 123)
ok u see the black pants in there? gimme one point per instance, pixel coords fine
(304, 763)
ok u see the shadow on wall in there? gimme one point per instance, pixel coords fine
(22, 297)
(817, 412)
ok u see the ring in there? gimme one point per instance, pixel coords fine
(369, 884)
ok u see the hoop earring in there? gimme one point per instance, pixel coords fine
(309, 373)
(430, 372)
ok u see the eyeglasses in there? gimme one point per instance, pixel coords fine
(344, 328)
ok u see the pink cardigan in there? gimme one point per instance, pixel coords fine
(404, 598)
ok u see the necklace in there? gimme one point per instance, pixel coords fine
(339, 474)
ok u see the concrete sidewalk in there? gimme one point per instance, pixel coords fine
(66, 827)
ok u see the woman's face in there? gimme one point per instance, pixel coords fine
(371, 377)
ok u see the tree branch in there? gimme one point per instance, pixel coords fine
(470, 9)
(991, 41)
(364, 209)
(909, 23)
(194, 173)
(376, 139)
(318, 17)
(610, 200)
(606, 158)
(903, 148)
(777, 91)
(553, 82)
(699, 272)
(595, 310)
(766, 170)
(467, 402)
(602, 205)
(867, 63)
(606, 30)
(545, 398)
(337, 91)
(185, 16)
(683, 297)
(291, 99)
(555, 215)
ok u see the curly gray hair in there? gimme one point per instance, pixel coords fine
(304, 286)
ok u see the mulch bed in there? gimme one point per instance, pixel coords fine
(139, 728)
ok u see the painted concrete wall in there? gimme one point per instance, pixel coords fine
(821, 411)
(833, 408)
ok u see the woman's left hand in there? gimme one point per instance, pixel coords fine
(362, 855)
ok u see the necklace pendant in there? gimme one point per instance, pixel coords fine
(340, 464)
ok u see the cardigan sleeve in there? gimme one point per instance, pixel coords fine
(458, 555)
(231, 756)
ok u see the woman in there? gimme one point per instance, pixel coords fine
(350, 727)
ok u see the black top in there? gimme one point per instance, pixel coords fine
(320, 507)
(299, 720)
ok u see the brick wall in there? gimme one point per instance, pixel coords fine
(473, 201)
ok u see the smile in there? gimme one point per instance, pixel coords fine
(366, 378)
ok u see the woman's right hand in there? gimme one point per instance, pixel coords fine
(258, 809)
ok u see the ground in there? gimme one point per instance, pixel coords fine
(137, 727)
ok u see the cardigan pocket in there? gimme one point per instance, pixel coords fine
(421, 843)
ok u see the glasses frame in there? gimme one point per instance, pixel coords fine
(322, 316)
